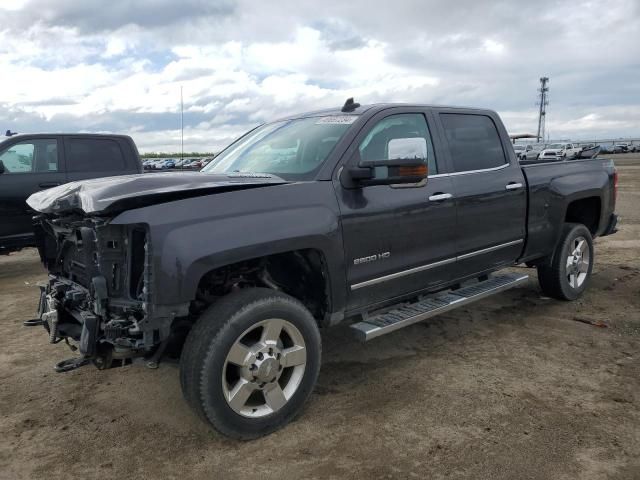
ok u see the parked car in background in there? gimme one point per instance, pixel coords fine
(606, 148)
(622, 148)
(560, 151)
(158, 164)
(147, 164)
(519, 149)
(531, 152)
(33, 162)
(197, 164)
(180, 162)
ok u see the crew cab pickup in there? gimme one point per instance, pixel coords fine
(379, 216)
(34, 162)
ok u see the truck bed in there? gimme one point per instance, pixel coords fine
(554, 188)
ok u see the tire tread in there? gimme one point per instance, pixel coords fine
(551, 274)
(206, 337)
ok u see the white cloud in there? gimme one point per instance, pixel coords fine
(244, 63)
(494, 47)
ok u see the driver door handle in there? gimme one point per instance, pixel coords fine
(48, 184)
(439, 197)
(513, 186)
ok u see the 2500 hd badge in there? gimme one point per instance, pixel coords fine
(371, 258)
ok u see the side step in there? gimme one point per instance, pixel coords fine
(430, 306)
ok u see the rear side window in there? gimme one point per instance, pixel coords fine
(473, 141)
(94, 155)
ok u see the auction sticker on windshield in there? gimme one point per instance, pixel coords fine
(337, 120)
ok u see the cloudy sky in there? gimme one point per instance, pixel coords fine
(117, 66)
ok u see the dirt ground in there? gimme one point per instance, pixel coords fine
(515, 387)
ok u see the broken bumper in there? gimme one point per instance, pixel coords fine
(62, 323)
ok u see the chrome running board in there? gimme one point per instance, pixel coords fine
(430, 306)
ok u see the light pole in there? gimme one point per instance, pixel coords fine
(181, 130)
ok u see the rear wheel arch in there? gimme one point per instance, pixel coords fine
(586, 211)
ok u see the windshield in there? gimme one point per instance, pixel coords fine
(556, 145)
(291, 149)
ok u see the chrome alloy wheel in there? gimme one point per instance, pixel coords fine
(264, 368)
(578, 262)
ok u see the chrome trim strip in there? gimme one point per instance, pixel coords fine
(490, 249)
(468, 172)
(438, 175)
(429, 266)
(391, 276)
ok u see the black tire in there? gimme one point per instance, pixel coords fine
(553, 275)
(206, 348)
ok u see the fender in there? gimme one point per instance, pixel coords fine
(193, 236)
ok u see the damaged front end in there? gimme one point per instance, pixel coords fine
(98, 291)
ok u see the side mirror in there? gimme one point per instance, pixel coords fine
(2, 169)
(406, 164)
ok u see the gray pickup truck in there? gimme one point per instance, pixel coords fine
(380, 216)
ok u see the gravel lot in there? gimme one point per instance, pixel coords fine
(515, 387)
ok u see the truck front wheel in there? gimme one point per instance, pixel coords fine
(567, 275)
(250, 362)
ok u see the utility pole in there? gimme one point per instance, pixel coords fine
(181, 129)
(544, 101)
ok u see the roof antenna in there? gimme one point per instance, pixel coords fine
(350, 105)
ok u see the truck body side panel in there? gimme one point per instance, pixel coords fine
(552, 187)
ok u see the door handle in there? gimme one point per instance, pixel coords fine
(438, 197)
(513, 186)
(48, 184)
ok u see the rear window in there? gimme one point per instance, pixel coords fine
(94, 155)
(473, 141)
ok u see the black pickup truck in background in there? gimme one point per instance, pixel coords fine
(380, 216)
(30, 163)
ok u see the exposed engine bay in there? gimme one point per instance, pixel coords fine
(98, 289)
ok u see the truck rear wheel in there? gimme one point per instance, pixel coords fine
(568, 273)
(250, 362)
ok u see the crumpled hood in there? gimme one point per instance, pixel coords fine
(115, 194)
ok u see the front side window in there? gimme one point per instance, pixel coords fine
(39, 155)
(291, 149)
(393, 134)
(94, 155)
(473, 141)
